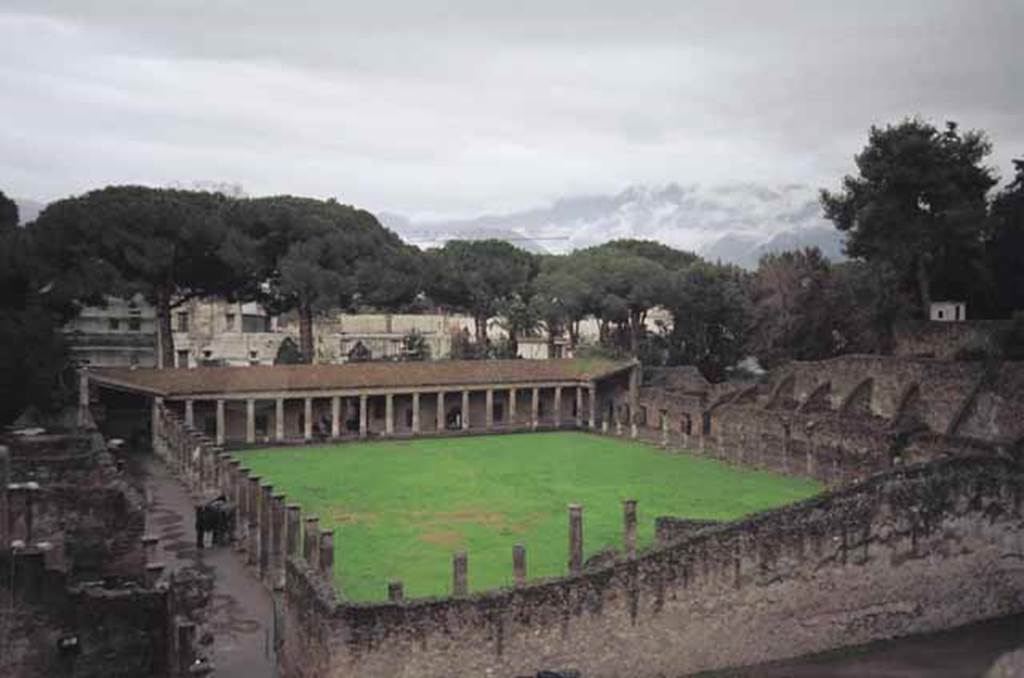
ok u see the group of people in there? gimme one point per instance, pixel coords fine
(218, 518)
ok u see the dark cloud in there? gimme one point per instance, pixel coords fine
(465, 107)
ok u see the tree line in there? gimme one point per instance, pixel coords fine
(920, 217)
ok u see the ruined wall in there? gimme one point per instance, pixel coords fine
(950, 340)
(914, 550)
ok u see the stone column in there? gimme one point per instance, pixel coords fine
(396, 592)
(250, 421)
(558, 406)
(327, 555)
(535, 408)
(465, 410)
(389, 414)
(512, 407)
(266, 508)
(489, 406)
(307, 434)
(335, 417)
(291, 533)
(279, 419)
(416, 413)
(253, 552)
(575, 538)
(84, 419)
(629, 527)
(579, 407)
(460, 574)
(440, 411)
(362, 415)
(5, 480)
(592, 423)
(235, 481)
(220, 422)
(155, 422)
(634, 397)
(519, 564)
(190, 413)
(311, 543)
(277, 541)
(664, 429)
(186, 646)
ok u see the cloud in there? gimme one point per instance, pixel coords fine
(480, 107)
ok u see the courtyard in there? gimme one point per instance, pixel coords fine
(400, 508)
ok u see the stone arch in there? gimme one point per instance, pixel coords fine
(909, 415)
(819, 399)
(858, 401)
(783, 396)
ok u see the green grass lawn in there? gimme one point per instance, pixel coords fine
(399, 509)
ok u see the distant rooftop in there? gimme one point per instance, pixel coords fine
(303, 378)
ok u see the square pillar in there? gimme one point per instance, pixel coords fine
(279, 420)
(512, 406)
(579, 407)
(335, 417)
(362, 415)
(558, 406)
(190, 413)
(489, 416)
(465, 410)
(416, 413)
(575, 538)
(292, 534)
(220, 422)
(389, 414)
(307, 434)
(440, 411)
(250, 421)
(534, 408)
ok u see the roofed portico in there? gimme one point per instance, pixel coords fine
(301, 403)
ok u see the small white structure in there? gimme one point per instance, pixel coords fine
(948, 311)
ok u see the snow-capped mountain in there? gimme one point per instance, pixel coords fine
(733, 223)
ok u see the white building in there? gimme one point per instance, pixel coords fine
(948, 311)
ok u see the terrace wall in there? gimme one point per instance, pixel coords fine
(913, 550)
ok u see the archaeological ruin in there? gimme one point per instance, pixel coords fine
(921, 529)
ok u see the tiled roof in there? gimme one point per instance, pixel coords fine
(206, 380)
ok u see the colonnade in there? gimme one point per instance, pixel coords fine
(510, 420)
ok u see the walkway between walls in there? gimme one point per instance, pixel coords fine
(242, 610)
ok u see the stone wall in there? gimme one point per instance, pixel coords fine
(913, 550)
(87, 601)
(950, 340)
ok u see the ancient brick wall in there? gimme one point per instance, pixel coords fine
(913, 550)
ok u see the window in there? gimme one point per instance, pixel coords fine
(183, 358)
(114, 324)
(378, 408)
(408, 418)
(254, 355)
(229, 322)
(941, 314)
(255, 323)
(499, 412)
(134, 323)
(183, 321)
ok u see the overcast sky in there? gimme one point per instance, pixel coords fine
(461, 108)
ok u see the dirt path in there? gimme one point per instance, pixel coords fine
(242, 611)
